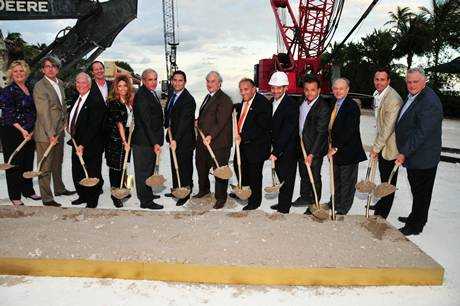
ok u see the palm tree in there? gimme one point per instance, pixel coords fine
(400, 18)
(443, 21)
(378, 48)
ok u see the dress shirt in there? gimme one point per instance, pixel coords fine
(129, 111)
(304, 109)
(410, 100)
(248, 107)
(55, 85)
(276, 103)
(104, 89)
(76, 112)
(378, 99)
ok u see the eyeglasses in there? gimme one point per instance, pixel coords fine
(50, 66)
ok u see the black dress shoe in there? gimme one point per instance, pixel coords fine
(232, 195)
(91, 205)
(151, 205)
(116, 202)
(274, 207)
(169, 195)
(402, 219)
(250, 207)
(301, 202)
(52, 203)
(219, 204)
(283, 211)
(34, 197)
(78, 201)
(65, 193)
(201, 194)
(407, 231)
(181, 202)
(155, 196)
(307, 212)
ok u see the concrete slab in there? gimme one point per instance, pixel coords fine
(210, 247)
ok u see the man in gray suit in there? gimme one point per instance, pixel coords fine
(418, 138)
(49, 101)
(387, 103)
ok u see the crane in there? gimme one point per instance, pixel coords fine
(171, 41)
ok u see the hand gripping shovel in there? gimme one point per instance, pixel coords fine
(276, 185)
(366, 185)
(222, 172)
(316, 210)
(8, 165)
(331, 173)
(371, 178)
(86, 181)
(122, 192)
(242, 192)
(385, 189)
(38, 172)
(179, 192)
(156, 179)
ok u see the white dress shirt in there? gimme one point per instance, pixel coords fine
(410, 100)
(55, 85)
(130, 115)
(276, 103)
(378, 99)
(247, 112)
(76, 112)
(104, 89)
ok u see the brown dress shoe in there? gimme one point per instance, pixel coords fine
(219, 204)
(52, 203)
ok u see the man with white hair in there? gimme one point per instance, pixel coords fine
(345, 146)
(148, 136)
(85, 125)
(215, 121)
(418, 138)
(284, 139)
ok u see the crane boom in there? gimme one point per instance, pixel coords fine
(169, 24)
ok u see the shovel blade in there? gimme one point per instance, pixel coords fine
(383, 190)
(89, 182)
(365, 186)
(155, 180)
(121, 193)
(180, 193)
(31, 174)
(223, 172)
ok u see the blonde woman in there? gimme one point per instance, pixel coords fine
(18, 120)
(119, 118)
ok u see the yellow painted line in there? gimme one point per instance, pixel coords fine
(222, 274)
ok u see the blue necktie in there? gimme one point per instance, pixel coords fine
(170, 106)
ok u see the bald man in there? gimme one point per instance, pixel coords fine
(345, 146)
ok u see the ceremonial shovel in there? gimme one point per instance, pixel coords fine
(316, 210)
(366, 185)
(179, 192)
(8, 165)
(87, 181)
(38, 172)
(121, 193)
(276, 185)
(156, 179)
(242, 192)
(371, 178)
(222, 172)
(385, 189)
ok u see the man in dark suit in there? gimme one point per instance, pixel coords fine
(346, 147)
(418, 138)
(85, 126)
(215, 121)
(314, 114)
(284, 139)
(253, 124)
(148, 136)
(180, 117)
(104, 86)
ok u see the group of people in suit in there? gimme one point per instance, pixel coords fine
(103, 114)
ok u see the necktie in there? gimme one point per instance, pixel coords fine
(331, 122)
(243, 115)
(74, 118)
(170, 107)
(206, 100)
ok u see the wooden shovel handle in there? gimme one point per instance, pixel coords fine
(125, 161)
(331, 171)
(22, 144)
(45, 155)
(80, 157)
(209, 148)
(176, 164)
(395, 168)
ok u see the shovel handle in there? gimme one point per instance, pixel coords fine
(304, 153)
(211, 152)
(331, 171)
(22, 144)
(312, 182)
(125, 161)
(80, 157)
(45, 155)
(395, 168)
(176, 164)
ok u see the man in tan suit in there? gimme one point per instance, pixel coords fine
(49, 128)
(387, 103)
(215, 121)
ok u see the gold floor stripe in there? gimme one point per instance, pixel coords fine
(222, 274)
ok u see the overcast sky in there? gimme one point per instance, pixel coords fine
(225, 35)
